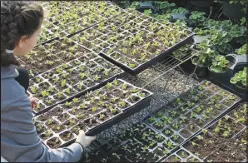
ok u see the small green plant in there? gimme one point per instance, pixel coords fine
(49, 122)
(48, 133)
(240, 78)
(219, 64)
(199, 137)
(76, 100)
(57, 140)
(34, 89)
(82, 76)
(102, 116)
(80, 116)
(167, 132)
(60, 95)
(115, 82)
(45, 93)
(72, 121)
(67, 104)
(175, 137)
(93, 109)
(108, 85)
(134, 90)
(242, 50)
(194, 144)
(68, 90)
(83, 106)
(63, 83)
(122, 104)
(151, 119)
(124, 86)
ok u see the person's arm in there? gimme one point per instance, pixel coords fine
(20, 141)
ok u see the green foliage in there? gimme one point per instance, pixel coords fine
(197, 17)
(242, 50)
(219, 64)
(240, 78)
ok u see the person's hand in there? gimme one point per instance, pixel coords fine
(83, 139)
(33, 101)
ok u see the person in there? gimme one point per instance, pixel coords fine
(20, 26)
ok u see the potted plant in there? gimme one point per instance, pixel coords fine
(234, 9)
(239, 81)
(201, 60)
(218, 70)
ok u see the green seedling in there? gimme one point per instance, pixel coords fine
(76, 100)
(63, 83)
(94, 109)
(44, 93)
(68, 90)
(67, 104)
(108, 85)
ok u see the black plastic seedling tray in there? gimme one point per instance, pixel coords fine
(90, 123)
(201, 133)
(131, 147)
(188, 156)
(183, 127)
(78, 93)
(130, 111)
(151, 61)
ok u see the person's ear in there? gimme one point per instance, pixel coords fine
(21, 42)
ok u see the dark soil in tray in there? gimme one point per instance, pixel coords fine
(192, 127)
(223, 153)
(59, 97)
(66, 136)
(63, 117)
(46, 135)
(183, 154)
(54, 143)
(203, 147)
(177, 139)
(51, 123)
(57, 111)
(39, 127)
(58, 128)
(75, 111)
(185, 133)
(79, 127)
(91, 122)
(168, 132)
(173, 158)
(102, 117)
(43, 117)
(39, 107)
(70, 122)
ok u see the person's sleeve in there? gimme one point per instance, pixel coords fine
(20, 142)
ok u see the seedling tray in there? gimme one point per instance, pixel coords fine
(139, 29)
(139, 143)
(97, 110)
(183, 118)
(71, 79)
(239, 113)
(87, 20)
(203, 152)
(152, 61)
(40, 60)
(182, 155)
